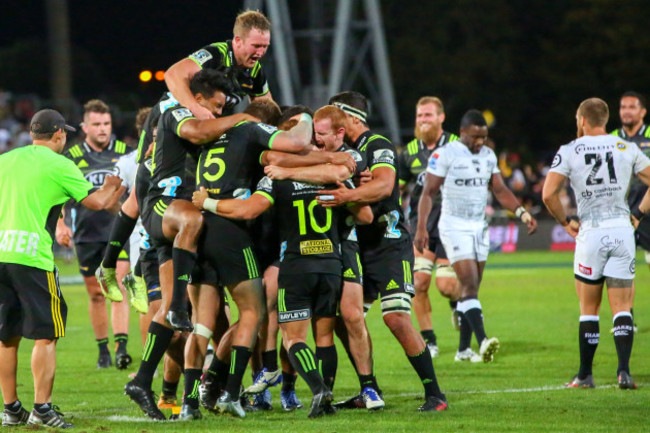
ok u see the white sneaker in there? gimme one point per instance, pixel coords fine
(433, 350)
(489, 346)
(467, 355)
(264, 380)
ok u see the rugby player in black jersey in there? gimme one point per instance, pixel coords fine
(429, 135)
(310, 269)
(329, 129)
(172, 223)
(385, 245)
(96, 157)
(238, 58)
(229, 168)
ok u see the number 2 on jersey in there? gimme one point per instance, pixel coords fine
(300, 204)
(597, 160)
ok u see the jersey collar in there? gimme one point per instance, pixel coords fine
(639, 133)
(362, 139)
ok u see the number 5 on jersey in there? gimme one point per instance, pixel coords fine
(212, 159)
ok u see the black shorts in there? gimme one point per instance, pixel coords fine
(91, 254)
(150, 272)
(31, 303)
(388, 270)
(302, 295)
(435, 244)
(352, 269)
(153, 219)
(225, 254)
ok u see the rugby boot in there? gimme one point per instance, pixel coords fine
(289, 400)
(10, 418)
(107, 280)
(145, 399)
(434, 404)
(179, 321)
(136, 289)
(320, 403)
(53, 418)
(625, 381)
(587, 382)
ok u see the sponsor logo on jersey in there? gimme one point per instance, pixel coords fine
(420, 178)
(557, 160)
(265, 184)
(268, 128)
(356, 155)
(181, 113)
(300, 186)
(316, 246)
(409, 288)
(621, 146)
(290, 316)
(587, 194)
(584, 269)
(475, 181)
(632, 266)
(241, 193)
(385, 156)
(97, 177)
(201, 56)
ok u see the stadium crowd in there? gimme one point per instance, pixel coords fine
(203, 189)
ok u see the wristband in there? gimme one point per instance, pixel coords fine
(210, 204)
(636, 213)
(523, 214)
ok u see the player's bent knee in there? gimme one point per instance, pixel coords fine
(445, 271)
(397, 303)
(202, 330)
(424, 265)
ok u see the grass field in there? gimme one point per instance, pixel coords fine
(529, 303)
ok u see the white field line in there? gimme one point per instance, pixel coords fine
(504, 391)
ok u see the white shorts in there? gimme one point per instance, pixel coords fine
(466, 244)
(605, 252)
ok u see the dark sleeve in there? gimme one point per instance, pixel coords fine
(261, 134)
(381, 153)
(210, 56)
(260, 85)
(174, 118)
(403, 169)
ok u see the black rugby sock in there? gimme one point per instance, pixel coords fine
(369, 380)
(192, 382)
(102, 343)
(288, 381)
(465, 337)
(429, 336)
(270, 360)
(169, 388)
(471, 308)
(423, 366)
(183, 265)
(121, 230)
(121, 340)
(623, 339)
(219, 371)
(14, 407)
(238, 361)
(589, 335)
(302, 359)
(328, 363)
(158, 339)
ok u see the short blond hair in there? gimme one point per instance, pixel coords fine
(333, 113)
(426, 100)
(249, 20)
(595, 111)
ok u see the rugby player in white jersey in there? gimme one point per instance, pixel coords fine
(599, 167)
(466, 170)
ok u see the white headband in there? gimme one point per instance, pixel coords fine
(354, 112)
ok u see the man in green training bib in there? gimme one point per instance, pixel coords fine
(35, 182)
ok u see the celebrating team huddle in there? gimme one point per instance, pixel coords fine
(297, 215)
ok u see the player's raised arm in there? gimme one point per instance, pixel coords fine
(106, 196)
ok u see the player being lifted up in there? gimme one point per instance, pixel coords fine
(466, 170)
(171, 221)
(599, 167)
(229, 168)
(239, 59)
(310, 269)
